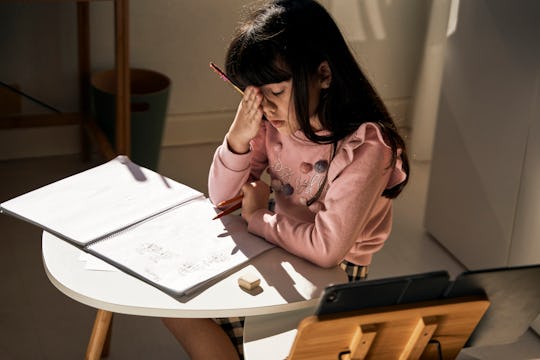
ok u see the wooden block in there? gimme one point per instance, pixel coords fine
(419, 337)
(249, 281)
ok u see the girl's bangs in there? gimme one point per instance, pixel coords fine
(259, 67)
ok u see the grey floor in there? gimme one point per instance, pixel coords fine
(39, 322)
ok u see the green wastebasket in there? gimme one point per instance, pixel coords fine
(148, 103)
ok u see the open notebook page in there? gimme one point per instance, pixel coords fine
(94, 203)
(182, 248)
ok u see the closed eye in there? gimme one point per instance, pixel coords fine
(277, 93)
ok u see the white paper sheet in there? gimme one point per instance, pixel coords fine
(94, 264)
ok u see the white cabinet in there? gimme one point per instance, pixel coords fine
(483, 200)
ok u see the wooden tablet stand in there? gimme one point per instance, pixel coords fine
(428, 330)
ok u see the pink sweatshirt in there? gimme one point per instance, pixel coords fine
(350, 220)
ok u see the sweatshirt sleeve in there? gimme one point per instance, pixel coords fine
(230, 171)
(357, 177)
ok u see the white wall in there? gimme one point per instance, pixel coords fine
(179, 38)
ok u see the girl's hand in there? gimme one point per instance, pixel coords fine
(256, 196)
(247, 121)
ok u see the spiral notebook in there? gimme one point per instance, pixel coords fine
(143, 223)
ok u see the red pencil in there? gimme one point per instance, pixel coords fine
(228, 210)
(230, 201)
(232, 208)
(224, 77)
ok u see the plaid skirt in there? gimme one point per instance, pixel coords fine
(234, 326)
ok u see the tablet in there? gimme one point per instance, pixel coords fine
(383, 292)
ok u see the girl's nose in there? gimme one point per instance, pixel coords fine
(268, 106)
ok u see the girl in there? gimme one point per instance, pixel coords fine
(311, 119)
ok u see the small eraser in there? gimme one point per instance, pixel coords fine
(249, 281)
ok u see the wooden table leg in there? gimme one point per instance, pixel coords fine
(83, 36)
(107, 345)
(123, 96)
(99, 335)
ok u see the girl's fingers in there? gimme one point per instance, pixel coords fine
(252, 108)
(252, 98)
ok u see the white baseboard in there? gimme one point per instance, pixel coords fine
(180, 130)
(199, 128)
(39, 142)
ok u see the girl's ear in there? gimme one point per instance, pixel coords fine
(325, 75)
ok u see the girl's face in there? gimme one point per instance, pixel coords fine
(279, 110)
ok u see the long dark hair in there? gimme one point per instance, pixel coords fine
(289, 39)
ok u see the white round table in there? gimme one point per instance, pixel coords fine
(288, 283)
